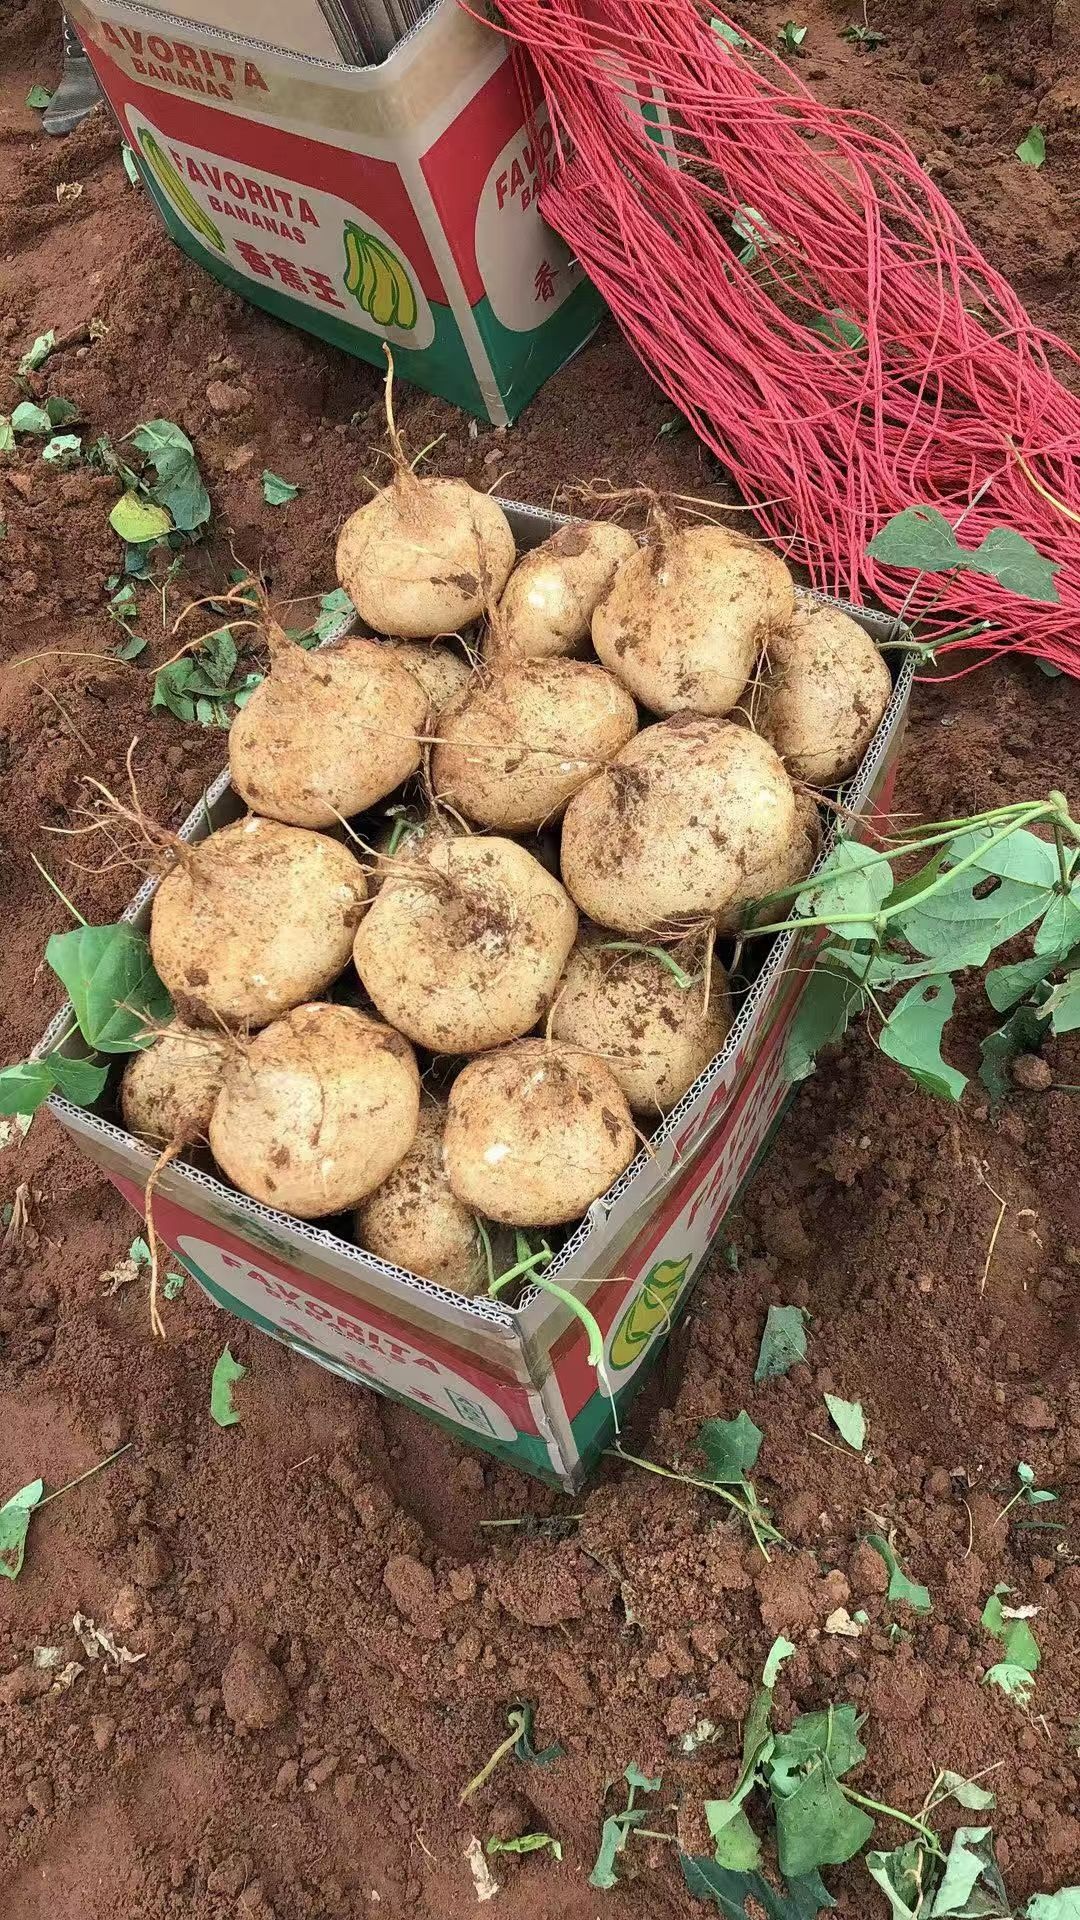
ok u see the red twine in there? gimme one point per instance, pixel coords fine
(952, 390)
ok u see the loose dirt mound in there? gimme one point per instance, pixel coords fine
(326, 1638)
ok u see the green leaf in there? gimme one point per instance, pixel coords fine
(1002, 892)
(14, 1522)
(138, 521)
(817, 1826)
(174, 1285)
(849, 1420)
(7, 435)
(64, 451)
(1023, 1032)
(803, 1899)
(1032, 148)
(967, 1793)
(526, 1843)
(918, 537)
(227, 1372)
(912, 1036)
(1054, 1906)
(29, 418)
(25, 1086)
(1020, 1644)
(830, 1735)
(781, 1650)
(736, 1845)
(277, 491)
(1017, 1682)
(38, 98)
(971, 1886)
(900, 1587)
(37, 354)
(854, 881)
(131, 165)
(60, 411)
(731, 1448)
(524, 1749)
(171, 689)
(1060, 928)
(1063, 1005)
(1016, 565)
(721, 28)
(837, 329)
(641, 1782)
(1006, 985)
(614, 1835)
(112, 985)
(179, 487)
(216, 658)
(828, 1002)
(906, 1877)
(783, 1343)
(140, 1252)
(80, 1081)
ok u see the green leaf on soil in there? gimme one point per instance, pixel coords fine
(1063, 1004)
(1032, 148)
(27, 417)
(174, 1285)
(179, 488)
(526, 1843)
(111, 982)
(802, 1900)
(966, 1793)
(524, 1750)
(971, 1887)
(37, 354)
(1054, 1906)
(727, 33)
(131, 167)
(816, 1825)
(781, 1650)
(227, 1372)
(828, 1003)
(848, 1419)
(1006, 985)
(1023, 1032)
(911, 1592)
(906, 1877)
(829, 1736)
(1016, 1681)
(854, 881)
(912, 1036)
(63, 451)
(26, 1086)
(60, 411)
(137, 521)
(276, 491)
(14, 1522)
(731, 1448)
(1020, 1644)
(735, 1844)
(7, 435)
(783, 1343)
(38, 98)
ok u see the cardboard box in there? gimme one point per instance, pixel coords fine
(395, 202)
(515, 1381)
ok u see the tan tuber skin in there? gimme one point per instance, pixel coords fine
(317, 1110)
(823, 695)
(655, 1035)
(535, 1133)
(416, 1221)
(168, 1089)
(549, 600)
(463, 950)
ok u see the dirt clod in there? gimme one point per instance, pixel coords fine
(254, 1694)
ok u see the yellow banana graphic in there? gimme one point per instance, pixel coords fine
(175, 190)
(378, 281)
(651, 1309)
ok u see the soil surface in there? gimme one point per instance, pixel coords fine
(326, 1638)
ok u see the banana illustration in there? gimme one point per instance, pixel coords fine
(175, 190)
(651, 1309)
(378, 280)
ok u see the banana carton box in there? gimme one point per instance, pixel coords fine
(528, 1383)
(396, 202)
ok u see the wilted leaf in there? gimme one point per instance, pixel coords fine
(783, 1343)
(735, 1844)
(721, 28)
(27, 417)
(849, 1420)
(61, 411)
(830, 1735)
(816, 1825)
(900, 1587)
(227, 1372)
(131, 165)
(828, 1003)
(971, 1886)
(781, 1650)
(524, 1748)
(802, 1900)
(1054, 1906)
(921, 539)
(1016, 1681)
(179, 487)
(967, 1793)
(137, 521)
(276, 491)
(14, 1522)
(1063, 1005)
(37, 354)
(906, 1877)
(1032, 148)
(526, 1843)
(731, 1447)
(64, 451)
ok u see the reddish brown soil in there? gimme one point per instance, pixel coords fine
(321, 1566)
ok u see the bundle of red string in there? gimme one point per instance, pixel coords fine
(946, 395)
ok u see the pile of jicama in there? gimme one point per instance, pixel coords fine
(461, 947)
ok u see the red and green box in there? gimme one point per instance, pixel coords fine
(517, 1382)
(395, 202)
